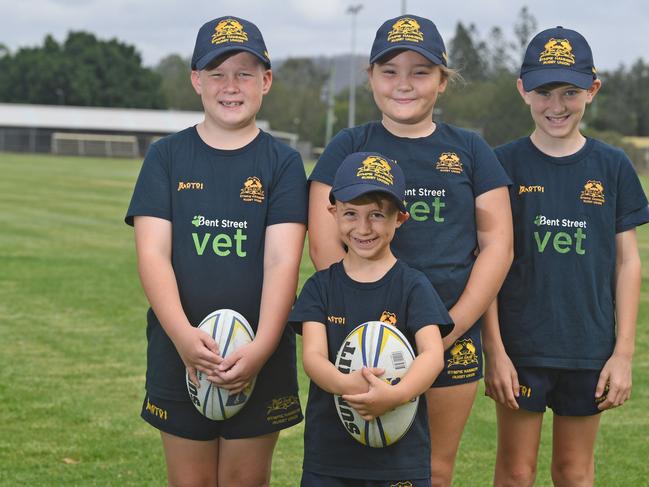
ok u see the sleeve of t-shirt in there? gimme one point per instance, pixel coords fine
(340, 147)
(488, 172)
(426, 308)
(288, 193)
(152, 193)
(310, 305)
(631, 209)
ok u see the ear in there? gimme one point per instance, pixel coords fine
(332, 209)
(402, 218)
(521, 91)
(443, 81)
(592, 91)
(196, 81)
(266, 82)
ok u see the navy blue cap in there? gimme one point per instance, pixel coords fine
(227, 34)
(411, 33)
(558, 56)
(367, 172)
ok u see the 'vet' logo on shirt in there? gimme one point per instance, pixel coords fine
(252, 190)
(449, 162)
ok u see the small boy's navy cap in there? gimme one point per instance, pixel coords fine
(409, 32)
(367, 172)
(227, 34)
(558, 56)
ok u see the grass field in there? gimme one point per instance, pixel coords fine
(72, 345)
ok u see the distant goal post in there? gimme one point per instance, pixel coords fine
(95, 145)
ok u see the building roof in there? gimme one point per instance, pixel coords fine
(99, 118)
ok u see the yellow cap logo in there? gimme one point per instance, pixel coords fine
(406, 29)
(557, 51)
(229, 30)
(377, 169)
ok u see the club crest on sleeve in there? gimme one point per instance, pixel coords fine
(229, 30)
(593, 193)
(252, 190)
(449, 162)
(406, 29)
(376, 168)
(557, 51)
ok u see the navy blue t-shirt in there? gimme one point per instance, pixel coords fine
(444, 172)
(557, 305)
(220, 203)
(332, 298)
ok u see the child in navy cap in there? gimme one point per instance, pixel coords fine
(219, 211)
(567, 310)
(368, 284)
(457, 198)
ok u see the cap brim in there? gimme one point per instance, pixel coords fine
(540, 77)
(204, 61)
(354, 191)
(401, 47)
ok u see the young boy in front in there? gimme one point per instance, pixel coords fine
(369, 284)
(567, 310)
(219, 211)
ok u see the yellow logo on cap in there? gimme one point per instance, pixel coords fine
(252, 190)
(557, 51)
(593, 193)
(229, 30)
(377, 169)
(406, 29)
(449, 162)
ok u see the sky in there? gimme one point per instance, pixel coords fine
(617, 30)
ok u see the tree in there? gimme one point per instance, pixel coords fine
(468, 53)
(176, 85)
(82, 71)
(524, 28)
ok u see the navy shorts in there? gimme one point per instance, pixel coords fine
(310, 479)
(273, 406)
(462, 361)
(566, 392)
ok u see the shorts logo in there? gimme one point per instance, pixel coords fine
(407, 483)
(283, 410)
(406, 29)
(463, 353)
(193, 185)
(557, 51)
(525, 391)
(388, 318)
(336, 320)
(229, 30)
(377, 169)
(449, 162)
(522, 189)
(252, 190)
(593, 193)
(155, 410)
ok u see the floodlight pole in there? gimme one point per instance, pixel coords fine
(351, 120)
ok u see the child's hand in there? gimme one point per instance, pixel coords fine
(501, 380)
(198, 351)
(614, 385)
(355, 383)
(238, 369)
(379, 399)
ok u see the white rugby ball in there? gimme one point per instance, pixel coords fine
(230, 330)
(376, 344)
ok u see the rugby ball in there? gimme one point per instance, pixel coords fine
(376, 344)
(230, 330)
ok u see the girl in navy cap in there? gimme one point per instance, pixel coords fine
(575, 276)
(458, 202)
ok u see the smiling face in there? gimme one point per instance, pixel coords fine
(232, 90)
(405, 88)
(367, 225)
(557, 110)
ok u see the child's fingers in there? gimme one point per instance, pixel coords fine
(191, 372)
(602, 384)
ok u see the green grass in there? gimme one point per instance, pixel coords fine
(72, 345)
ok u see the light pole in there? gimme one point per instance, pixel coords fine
(351, 120)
